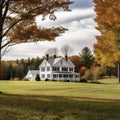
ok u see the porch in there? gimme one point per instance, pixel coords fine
(66, 76)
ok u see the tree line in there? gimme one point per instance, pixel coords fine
(17, 25)
(18, 68)
(85, 64)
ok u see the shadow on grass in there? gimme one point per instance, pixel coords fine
(95, 82)
(38, 107)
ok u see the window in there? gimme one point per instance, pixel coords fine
(54, 75)
(55, 69)
(48, 68)
(71, 75)
(43, 75)
(64, 69)
(42, 69)
(70, 69)
(76, 76)
(65, 75)
(60, 75)
(48, 75)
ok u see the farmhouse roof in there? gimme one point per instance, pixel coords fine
(34, 72)
(53, 61)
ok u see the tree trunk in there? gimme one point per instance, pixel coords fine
(0, 62)
(0, 57)
(0, 52)
(1, 28)
(0, 34)
(119, 72)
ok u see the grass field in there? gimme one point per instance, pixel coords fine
(22, 100)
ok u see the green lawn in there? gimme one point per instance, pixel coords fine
(24, 100)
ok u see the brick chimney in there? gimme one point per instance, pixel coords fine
(54, 56)
(47, 56)
(66, 57)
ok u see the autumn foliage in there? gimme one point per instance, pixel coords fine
(18, 21)
(107, 48)
(18, 25)
(76, 61)
(82, 70)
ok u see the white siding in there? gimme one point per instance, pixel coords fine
(45, 65)
(31, 75)
(60, 63)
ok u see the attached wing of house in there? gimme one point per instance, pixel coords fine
(31, 75)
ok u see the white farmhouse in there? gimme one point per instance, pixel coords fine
(58, 69)
(53, 68)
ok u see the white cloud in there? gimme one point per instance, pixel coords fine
(64, 18)
(81, 32)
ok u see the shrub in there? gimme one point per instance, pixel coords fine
(88, 75)
(37, 78)
(46, 79)
(97, 73)
(16, 79)
(82, 70)
(25, 79)
(83, 80)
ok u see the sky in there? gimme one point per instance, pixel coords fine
(81, 32)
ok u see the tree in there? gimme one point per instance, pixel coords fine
(107, 48)
(82, 70)
(3, 70)
(9, 72)
(76, 61)
(17, 21)
(110, 71)
(86, 57)
(97, 72)
(19, 71)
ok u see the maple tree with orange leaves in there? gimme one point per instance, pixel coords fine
(107, 48)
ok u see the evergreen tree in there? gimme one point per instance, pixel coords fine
(86, 57)
(37, 77)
